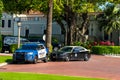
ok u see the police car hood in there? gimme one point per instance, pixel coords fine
(25, 51)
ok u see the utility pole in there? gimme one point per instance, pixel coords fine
(19, 30)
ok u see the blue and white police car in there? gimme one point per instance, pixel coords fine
(31, 52)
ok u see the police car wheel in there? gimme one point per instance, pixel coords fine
(35, 60)
(14, 62)
(45, 60)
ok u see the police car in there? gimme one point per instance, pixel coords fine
(68, 53)
(31, 52)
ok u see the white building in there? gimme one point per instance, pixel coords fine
(31, 25)
(35, 24)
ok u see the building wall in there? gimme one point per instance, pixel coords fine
(94, 30)
(6, 30)
(36, 24)
(37, 27)
(116, 37)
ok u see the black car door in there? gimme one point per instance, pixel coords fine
(75, 54)
(78, 53)
(82, 52)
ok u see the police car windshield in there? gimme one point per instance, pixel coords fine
(30, 47)
(66, 49)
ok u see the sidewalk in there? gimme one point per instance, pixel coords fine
(112, 55)
(6, 54)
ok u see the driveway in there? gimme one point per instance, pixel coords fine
(97, 67)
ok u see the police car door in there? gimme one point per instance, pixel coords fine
(41, 52)
(75, 54)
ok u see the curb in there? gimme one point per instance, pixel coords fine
(112, 56)
(4, 54)
(3, 64)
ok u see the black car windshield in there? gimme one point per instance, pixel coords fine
(66, 49)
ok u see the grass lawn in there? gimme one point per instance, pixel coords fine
(33, 76)
(5, 59)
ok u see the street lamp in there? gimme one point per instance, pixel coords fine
(19, 28)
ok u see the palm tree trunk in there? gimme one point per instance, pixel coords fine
(49, 26)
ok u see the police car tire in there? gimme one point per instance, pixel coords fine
(35, 60)
(14, 62)
(45, 60)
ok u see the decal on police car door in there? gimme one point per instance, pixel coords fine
(41, 53)
(75, 55)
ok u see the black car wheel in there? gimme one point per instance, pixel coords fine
(52, 59)
(67, 58)
(86, 57)
(35, 60)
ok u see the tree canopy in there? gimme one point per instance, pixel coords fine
(77, 6)
(21, 6)
(66, 10)
(1, 8)
(111, 17)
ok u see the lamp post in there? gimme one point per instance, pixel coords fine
(19, 28)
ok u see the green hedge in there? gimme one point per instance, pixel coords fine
(13, 47)
(105, 50)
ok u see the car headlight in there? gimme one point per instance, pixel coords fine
(30, 53)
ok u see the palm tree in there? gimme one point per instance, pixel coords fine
(49, 25)
(111, 18)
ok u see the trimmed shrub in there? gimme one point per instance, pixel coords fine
(77, 43)
(55, 40)
(105, 50)
(86, 44)
(51, 49)
(13, 47)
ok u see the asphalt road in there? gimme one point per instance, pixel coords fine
(97, 67)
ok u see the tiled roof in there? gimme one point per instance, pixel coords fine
(34, 12)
